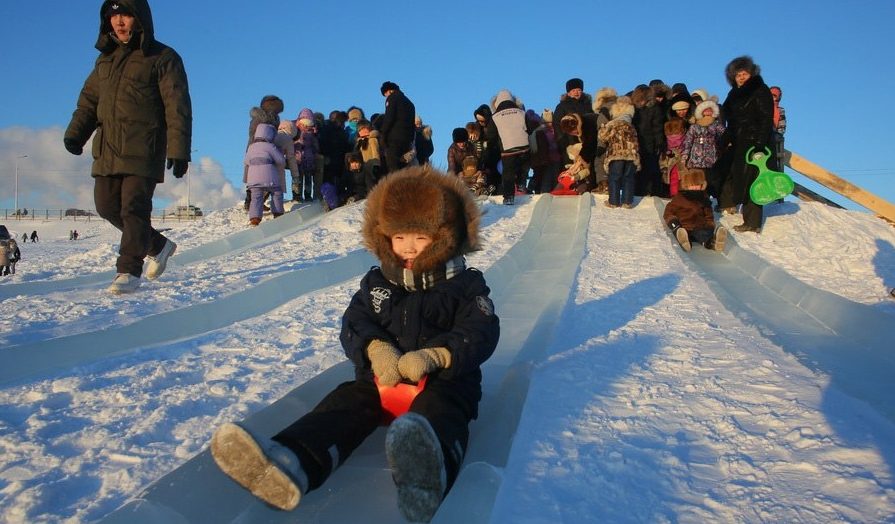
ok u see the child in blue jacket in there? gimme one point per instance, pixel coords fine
(422, 312)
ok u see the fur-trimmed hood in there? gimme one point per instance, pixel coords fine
(421, 199)
(502, 96)
(605, 97)
(707, 104)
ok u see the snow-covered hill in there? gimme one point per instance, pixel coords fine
(655, 402)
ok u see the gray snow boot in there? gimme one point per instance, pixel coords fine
(268, 469)
(720, 239)
(414, 455)
(683, 238)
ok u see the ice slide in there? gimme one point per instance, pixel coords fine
(268, 231)
(530, 287)
(826, 332)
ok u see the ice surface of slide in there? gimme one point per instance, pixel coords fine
(530, 286)
(268, 231)
(826, 332)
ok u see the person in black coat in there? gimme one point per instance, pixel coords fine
(649, 121)
(575, 100)
(749, 114)
(421, 313)
(398, 129)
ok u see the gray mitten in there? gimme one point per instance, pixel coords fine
(416, 364)
(384, 359)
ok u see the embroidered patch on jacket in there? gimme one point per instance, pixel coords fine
(485, 305)
(378, 295)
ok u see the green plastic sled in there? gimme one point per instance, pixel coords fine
(770, 185)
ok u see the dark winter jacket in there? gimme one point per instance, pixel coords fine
(424, 145)
(649, 121)
(692, 209)
(137, 101)
(749, 114)
(455, 157)
(568, 105)
(587, 135)
(491, 151)
(456, 314)
(398, 127)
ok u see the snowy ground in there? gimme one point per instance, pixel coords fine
(655, 405)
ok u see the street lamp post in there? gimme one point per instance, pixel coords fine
(188, 181)
(17, 184)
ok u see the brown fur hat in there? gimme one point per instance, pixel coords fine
(421, 199)
(740, 63)
(272, 104)
(693, 177)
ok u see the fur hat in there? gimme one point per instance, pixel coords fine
(740, 63)
(470, 165)
(547, 115)
(288, 127)
(459, 134)
(421, 199)
(571, 124)
(574, 83)
(621, 107)
(693, 177)
(604, 97)
(707, 104)
(272, 104)
(388, 86)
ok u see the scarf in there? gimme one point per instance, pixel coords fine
(406, 278)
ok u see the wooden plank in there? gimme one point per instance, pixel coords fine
(808, 195)
(845, 188)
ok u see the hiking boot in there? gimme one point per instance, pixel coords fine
(720, 238)
(628, 206)
(155, 264)
(743, 228)
(509, 200)
(268, 469)
(417, 463)
(682, 238)
(123, 284)
(609, 204)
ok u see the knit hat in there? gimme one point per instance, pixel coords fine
(421, 199)
(680, 105)
(459, 134)
(574, 83)
(116, 8)
(388, 86)
(547, 116)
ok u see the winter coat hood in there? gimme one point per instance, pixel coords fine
(483, 110)
(502, 96)
(265, 132)
(143, 28)
(421, 200)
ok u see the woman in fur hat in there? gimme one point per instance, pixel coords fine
(422, 312)
(749, 111)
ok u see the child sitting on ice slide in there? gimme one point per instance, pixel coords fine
(689, 214)
(422, 312)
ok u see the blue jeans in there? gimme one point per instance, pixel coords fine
(621, 182)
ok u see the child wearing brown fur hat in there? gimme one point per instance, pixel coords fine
(422, 312)
(689, 214)
(472, 176)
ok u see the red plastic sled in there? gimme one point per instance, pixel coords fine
(396, 399)
(565, 182)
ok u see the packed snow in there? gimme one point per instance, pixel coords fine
(654, 404)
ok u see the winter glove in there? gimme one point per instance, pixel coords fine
(72, 146)
(178, 167)
(384, 359)
(416, 364)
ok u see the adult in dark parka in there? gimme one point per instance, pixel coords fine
(749, 114)
(137, 102)
(398, 128)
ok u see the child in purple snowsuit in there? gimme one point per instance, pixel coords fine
(264, 161)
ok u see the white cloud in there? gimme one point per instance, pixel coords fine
(52, 178)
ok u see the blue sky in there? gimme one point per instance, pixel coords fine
(448, 58)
